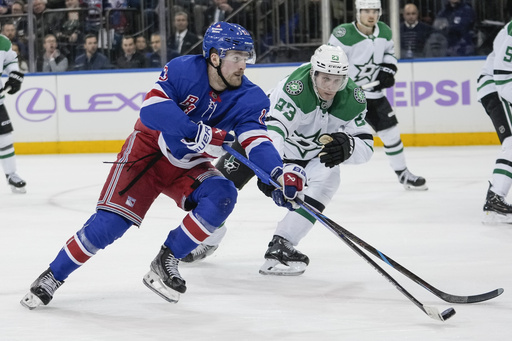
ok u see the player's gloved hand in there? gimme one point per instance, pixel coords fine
(14, 82)
(386, 76)
(338, 147)
(209, 140)
(292, 179)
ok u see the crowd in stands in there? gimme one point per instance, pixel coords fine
(109, 34)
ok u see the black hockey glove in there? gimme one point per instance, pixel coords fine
(386, 76)
(337, 148)
(14, 82)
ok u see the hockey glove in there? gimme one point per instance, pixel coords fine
(209, 140)
(292, 179)
(338, 147)
(13, 83)
(386, 76)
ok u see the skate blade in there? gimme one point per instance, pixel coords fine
(31, 301)
(494, 218)
(18, 190)
(415, 188)
(276, 268)
(153, 282)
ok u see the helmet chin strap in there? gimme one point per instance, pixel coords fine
(229, 86)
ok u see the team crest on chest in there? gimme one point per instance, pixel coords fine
(294, 87)
(359, 95)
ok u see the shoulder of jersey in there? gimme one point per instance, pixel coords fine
(384, 31)
(357, 92)
(5, 43)
(347, 34)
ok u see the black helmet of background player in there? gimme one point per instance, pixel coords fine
(224, 37)
(329, 70)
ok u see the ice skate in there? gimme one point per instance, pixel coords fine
(199, 253)
(164, 278)
(496, 209)
(282, 259)
(411, 181)
(16, 183)
(41, 291)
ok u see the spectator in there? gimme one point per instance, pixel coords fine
(4, 7)
(141, 45)
(413, 33)
(130, 58)
(46, 22)
(22, 62)
(52, 60)
(183, 40)
(70, 34)
(19, 21)
(220, 10)
(197, 8)
(155, 58)
(461, 21)
(437, 43)
(9, 30)
(91, 59)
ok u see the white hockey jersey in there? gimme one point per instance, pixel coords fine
(365, 52)
(496, 74)
(8, 60)
(298, 118)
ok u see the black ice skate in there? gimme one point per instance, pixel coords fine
(164, 278)
(282, 259)
(41, 291)
(200, 252)
(496, 209)
(411, 181)
(16, 183)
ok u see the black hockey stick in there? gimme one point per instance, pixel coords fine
(430, 311)
(388, 260)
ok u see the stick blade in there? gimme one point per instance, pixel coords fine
(434, 313)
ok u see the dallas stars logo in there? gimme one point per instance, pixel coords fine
(306, 144)
(366, 71)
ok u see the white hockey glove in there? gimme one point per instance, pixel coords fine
(209, 140)
(338, 147)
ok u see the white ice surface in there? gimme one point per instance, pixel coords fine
(436, 234)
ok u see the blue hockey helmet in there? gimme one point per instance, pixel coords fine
(224, 37)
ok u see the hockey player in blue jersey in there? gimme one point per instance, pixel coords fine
(184, 120)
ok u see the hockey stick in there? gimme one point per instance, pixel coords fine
(370, 85)
(430, 311)
(388, 260)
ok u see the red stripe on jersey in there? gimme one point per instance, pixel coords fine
(251, 139)
(156, 93)
(76, 251)
(194, 229)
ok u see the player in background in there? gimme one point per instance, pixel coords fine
(495, 93)
(184, 120)
(370, 50)
(316, 120)
(9, 65)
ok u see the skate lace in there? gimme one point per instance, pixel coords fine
(49, 284)
(171, 266)
(288, 245)
(202, 248)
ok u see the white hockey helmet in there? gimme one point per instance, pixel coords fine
(367, 4)
(331, 60)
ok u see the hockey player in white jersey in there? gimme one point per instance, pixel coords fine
(316, 120)
(9, 66)
(370, 51)
(495, 93)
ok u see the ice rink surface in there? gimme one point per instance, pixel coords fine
(436, 234)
